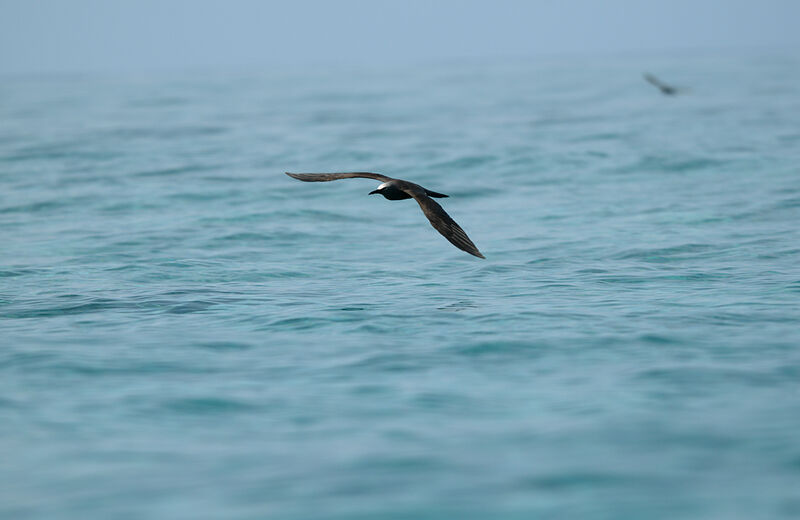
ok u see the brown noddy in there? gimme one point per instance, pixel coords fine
(398, 189)
(667, 90)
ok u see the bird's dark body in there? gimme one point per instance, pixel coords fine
(392, 193)
(398, 189)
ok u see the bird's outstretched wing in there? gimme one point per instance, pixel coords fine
(653, 80)
(445, 225)
(325, 177)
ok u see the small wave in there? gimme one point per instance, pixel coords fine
(72, 304)
(208, 405)
(658, 339)
(320, 215)
(167, 172)
(500, 348)
(689, 376)
(165, 133)
(458, 306)
(45, 206)
(583, 481)
(135, 369)
(10, 273)
(790, 203)
(224, 345)
(202, 196)
(159, 101)
(191, 307)
(392, 362)
(60, 151)
(465, 162)
(304, 323)
(93, 305)
(654, 164)
(245, 236)
(603, 136)
(668, 254)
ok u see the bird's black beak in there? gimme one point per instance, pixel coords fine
(374, 192)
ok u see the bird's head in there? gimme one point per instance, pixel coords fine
(380, 188)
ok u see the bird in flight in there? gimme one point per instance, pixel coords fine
(398, 189)
(667, 90)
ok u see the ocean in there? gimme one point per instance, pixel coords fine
(188, 333)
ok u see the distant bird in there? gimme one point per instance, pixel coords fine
(398, 189)
(667, 90)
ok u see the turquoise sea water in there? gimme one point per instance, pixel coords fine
(185, 332)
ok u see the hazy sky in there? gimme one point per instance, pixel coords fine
(80, 35)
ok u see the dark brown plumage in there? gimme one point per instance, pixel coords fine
(667, 90)
(398, 189)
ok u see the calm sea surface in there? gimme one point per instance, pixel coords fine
(187, 333)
